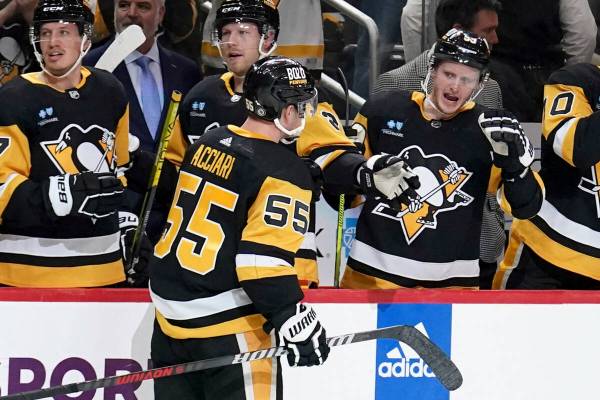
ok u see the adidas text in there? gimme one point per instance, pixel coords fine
(405, 368)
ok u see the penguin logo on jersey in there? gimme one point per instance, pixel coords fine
(592, 186)
(440, 191)
(78, 149)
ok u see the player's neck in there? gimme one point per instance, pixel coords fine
(238, 83)
(67, 82)
(264, 128)
(433, 112)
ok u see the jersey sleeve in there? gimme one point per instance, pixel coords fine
(570, 125)
(177, 145)
(276, 224)
(17, 191)
(323, 138)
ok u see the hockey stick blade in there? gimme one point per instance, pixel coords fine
(127, 41)
(443, 368)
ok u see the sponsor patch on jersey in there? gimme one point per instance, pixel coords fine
(399, 369)
(198, 109)
(441, 191)
(46, 115)
(393, 128)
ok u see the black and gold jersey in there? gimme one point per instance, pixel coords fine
(566, 231)
(437, 245)
(46, 132)
(213, 103)
(238, 217)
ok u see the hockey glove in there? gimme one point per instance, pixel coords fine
(512, 150)
(385, 175)
(316, 175)
(302, 335)
(356, 133)
(87, 194)
(136, 271)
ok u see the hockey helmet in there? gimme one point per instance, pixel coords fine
(263, 13)
(63, 11)
(273, 83)
(462, 47)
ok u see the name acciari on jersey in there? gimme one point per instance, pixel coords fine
(239, 214)
(45, 132)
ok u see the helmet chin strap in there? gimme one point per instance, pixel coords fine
(290, 132)
(76, 64)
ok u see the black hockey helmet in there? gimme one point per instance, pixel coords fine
(462, 47)
(63, 11)
(263, 13)
(273, 83)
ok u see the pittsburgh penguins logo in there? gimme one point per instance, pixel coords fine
(440, 191)
(592, 186)
(78, 149)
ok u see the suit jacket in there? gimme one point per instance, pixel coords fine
(410, 75)
(178, 73)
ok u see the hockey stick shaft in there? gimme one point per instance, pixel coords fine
(125, 42)
(165, 135)
(443, 368)
(342, 200)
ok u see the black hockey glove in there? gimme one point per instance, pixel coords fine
(385, 175)
(302, 335)
(87, 194)
(513, 151)
(316, 175)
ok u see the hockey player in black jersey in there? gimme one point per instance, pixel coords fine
(560, 247)
(245, 31)
(459, 151)
(223, 272)
(61, 147)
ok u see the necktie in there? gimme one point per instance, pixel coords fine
(150, 95)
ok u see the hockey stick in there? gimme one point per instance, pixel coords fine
(165, 135)
(342, 201)
(443, 368)
(127, 41)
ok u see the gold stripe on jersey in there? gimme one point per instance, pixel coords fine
(22, 275)
(15, 161)
(122, 139)
(260, 375)
(495, 179)
(226, 78)
(238, 325)
(525, 231)
(285, 236)
(564, 107)
(177, 145)
(353, 279)
(307, 271)
(38, 79)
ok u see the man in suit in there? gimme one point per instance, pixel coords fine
(149, 75)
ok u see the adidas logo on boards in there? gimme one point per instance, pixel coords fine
(404, 362)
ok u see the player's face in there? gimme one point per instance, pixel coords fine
(239, 46)
(147, 14)
(60, 44)
(453, 84)
(485, 25)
